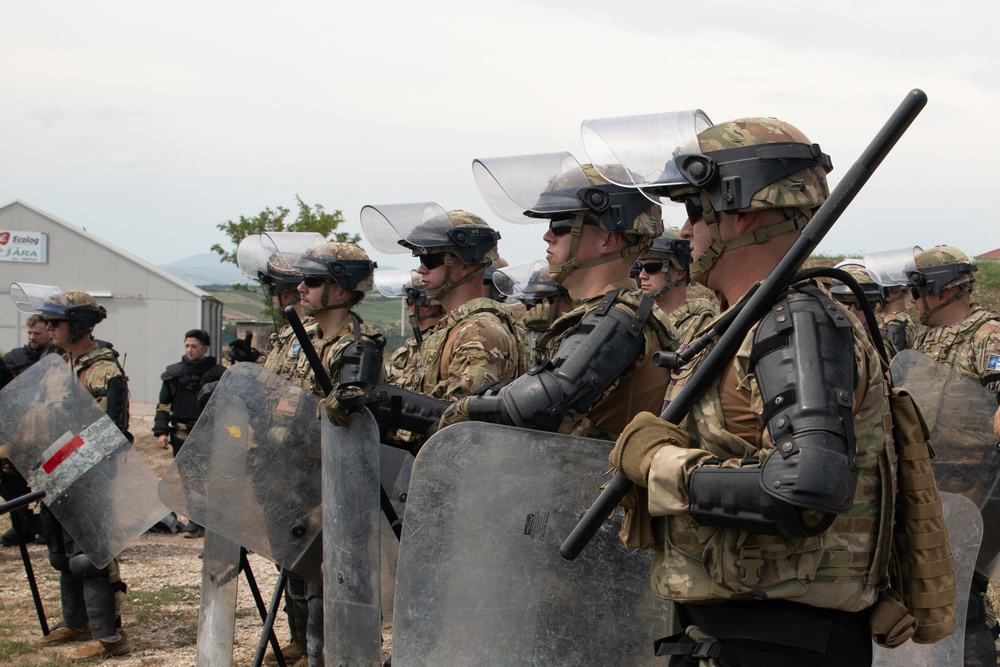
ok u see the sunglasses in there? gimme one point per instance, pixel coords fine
(432, 261)
(313, 281)
(695, 211)
(651, 268)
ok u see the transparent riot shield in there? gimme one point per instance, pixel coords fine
(60, 439)
(959, 415)
(250, 469)
(220, 572)
(965, 530)
(480, 580)
(351, 526)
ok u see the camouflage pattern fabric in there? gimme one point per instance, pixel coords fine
(842, 568)
(897, 325)
(805, 189)
(95, 368)
(639, 388)
(970, 347)
(284, 351)
(691, 317)
(472, 347)
(329, 349)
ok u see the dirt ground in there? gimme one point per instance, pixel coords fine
(160, 610)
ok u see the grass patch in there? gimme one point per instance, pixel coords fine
(11, 649)
(170, 603)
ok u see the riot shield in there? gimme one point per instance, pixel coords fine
(959, 415)
(965, 530)
(480, 580)
(395, 466)
(250, 469)
(220, 572)
(351, 524)
(59, 438)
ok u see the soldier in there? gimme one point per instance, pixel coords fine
(335, 277)
(91, 597)
(965, 337)
(600, 371)
(14, 363)
(782, 578)
(284, 354)
(423, 315)
(873, 294)
(888, 268)
(663, 273)
(478, 342)
(543, 299)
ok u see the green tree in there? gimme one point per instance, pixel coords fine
(309, 219)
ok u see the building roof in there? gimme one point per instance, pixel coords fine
(992, 254)
(73, 229)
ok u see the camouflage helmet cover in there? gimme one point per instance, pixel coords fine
(460, 233)
(671, 248)
(942, 267)
(741, 167)
(864, 279)
(78, 307)
(346, 263)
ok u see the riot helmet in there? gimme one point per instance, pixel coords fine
(744, 165)
(555, 187)
(889, 268)
(530, 282)
(78, 308)
(266, 266)
(857, 270)
(428, 231)
(940, 268)
(668, 250)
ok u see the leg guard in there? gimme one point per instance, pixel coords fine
(587, 363)
(296, 588)
(71, 596)
(803, 359)
(314, 627)
(99, 595)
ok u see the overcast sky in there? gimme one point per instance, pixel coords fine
(149, 124)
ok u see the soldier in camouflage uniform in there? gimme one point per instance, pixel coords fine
(91, 597)
(335, 277)
(423, 315)
(966, 338)
(478, 342)
(663, 273)
(283, 355)
(888, 268)
(761, 578)
(843, 294)
(600, 370)
(543, 299)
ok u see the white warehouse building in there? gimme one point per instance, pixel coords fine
(149, 310)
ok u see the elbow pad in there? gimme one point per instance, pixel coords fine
(118, 403)
(361, 364)
(589, 360)
(803, 360)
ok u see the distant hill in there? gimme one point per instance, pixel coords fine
(205, 269)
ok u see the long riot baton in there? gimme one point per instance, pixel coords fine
(22, 543)
(731, 332)
(327, 386)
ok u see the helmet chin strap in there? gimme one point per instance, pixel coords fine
(325, 300)
(710, 255)
(448, 285)
(560, 272)
(928, 311)
(669, 286)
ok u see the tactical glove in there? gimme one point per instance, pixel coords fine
(640, 441)
(338, 404)
(241, 350)
(457, 412)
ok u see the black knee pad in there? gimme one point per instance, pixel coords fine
(59, 561)
(81, 566)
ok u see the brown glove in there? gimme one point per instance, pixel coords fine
(456, 412)
(336, 404)
(637, 445)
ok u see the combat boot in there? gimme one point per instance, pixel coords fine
(292, 651)
(102, 649)
(63, 634)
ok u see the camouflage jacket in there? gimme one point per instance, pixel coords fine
(330, 350)
(472, 347)
(404, 358)
(691, 317)
(96, 369)
(971, 347)
(844, 567)
(283, 351)
(639, 388)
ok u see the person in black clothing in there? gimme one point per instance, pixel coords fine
(13, 364)
(178, 408)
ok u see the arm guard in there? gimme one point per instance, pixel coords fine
(803, 359)
(360, 364)
(589, 360)
(395, 408)
(118, 403)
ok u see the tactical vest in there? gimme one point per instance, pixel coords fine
(620, 402)
(285, 351)
(330, 349)
(94, 369)
(844, 567)
(690, 318)
(429, 371)
(185, 385)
